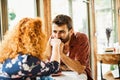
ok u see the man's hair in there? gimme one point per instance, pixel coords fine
(62, 20)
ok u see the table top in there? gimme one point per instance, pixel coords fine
(67, 75)
(109, 58)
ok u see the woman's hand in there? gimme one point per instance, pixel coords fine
(55, 41)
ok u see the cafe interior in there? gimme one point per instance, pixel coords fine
(98, 19)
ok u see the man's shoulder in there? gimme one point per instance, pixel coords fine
(80, 35)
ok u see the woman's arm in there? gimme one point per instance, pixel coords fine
(27, 65)
(56, 48)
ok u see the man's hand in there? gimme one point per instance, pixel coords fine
(72, 64)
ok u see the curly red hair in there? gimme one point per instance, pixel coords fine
(26, 37)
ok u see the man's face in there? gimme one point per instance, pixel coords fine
(61, 32)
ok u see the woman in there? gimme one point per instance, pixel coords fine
(22, 52)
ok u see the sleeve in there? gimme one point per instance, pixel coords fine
(35, 67)
(27, 65)
(84, 50)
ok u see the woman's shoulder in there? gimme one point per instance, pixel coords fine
(20, 59)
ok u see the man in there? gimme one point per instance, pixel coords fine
(75, 54)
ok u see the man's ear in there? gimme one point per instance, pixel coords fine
(71, 31)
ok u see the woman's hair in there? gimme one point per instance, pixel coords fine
(26, 37)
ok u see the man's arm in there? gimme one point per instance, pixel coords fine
(72, 64)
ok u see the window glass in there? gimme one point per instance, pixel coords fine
(105, 20)
(18, 9)
(80, 16)
(59, 7)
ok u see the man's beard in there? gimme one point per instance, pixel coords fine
(65, 40)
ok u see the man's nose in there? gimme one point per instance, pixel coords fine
(58, 35)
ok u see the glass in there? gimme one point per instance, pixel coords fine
(80, 18)
(18, 9)
(105, 18)
(59, 7)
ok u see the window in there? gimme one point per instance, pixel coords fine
(18, 9)
(80, 18)
(77, 9)
(59, 7)
(105, 18)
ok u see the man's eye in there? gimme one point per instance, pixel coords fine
(55, 31)
(62, 31)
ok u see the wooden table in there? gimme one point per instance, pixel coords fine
(109, 58)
